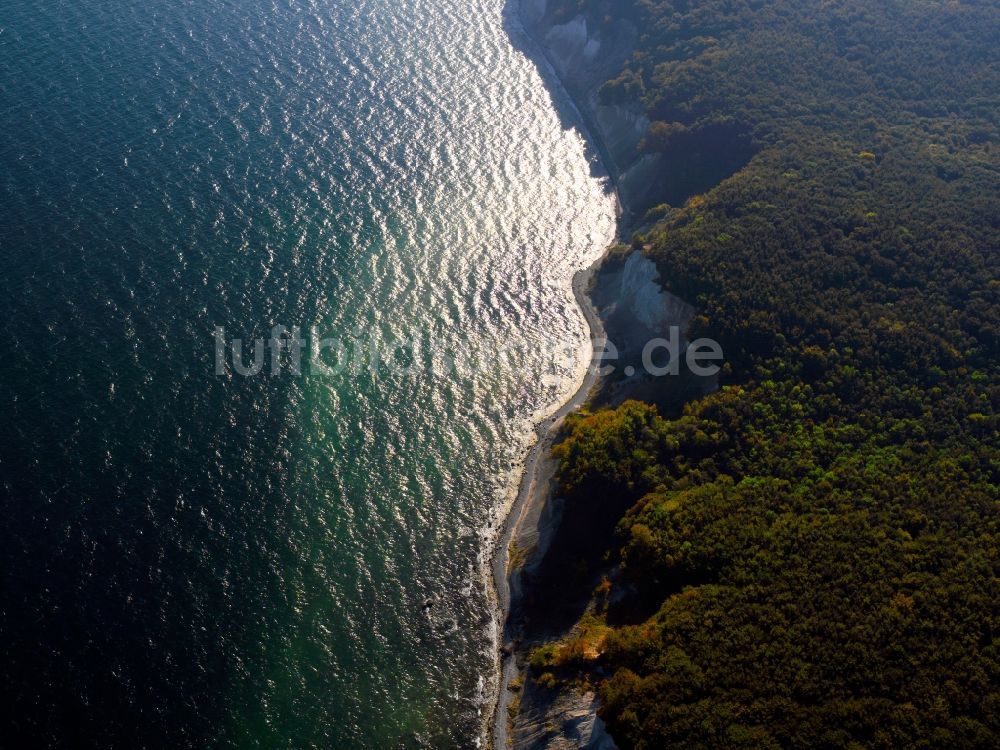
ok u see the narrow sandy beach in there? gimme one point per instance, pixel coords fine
(526, 525)
(523, 525)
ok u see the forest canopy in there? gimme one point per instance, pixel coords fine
(810, 554)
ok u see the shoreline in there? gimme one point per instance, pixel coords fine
(534, 496)
(536, 484)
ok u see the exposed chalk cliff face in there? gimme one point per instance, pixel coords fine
(574, 50)
(560, 720)
(640, 182)
(592, 48)
(585, 53)
(636, 309)
(639, 289)
(622, 126)
(583, 56)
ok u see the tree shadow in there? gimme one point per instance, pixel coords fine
(556, 591)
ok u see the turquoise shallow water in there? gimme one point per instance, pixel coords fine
(193, 560)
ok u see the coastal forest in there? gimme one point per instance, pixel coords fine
(808, 556)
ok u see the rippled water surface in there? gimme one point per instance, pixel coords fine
(191, 560)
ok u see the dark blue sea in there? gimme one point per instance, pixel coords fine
(298, 558)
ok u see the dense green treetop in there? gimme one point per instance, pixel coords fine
(815, 545)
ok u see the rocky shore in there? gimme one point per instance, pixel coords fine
(622, 299)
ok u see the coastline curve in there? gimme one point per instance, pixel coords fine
(532, 490)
